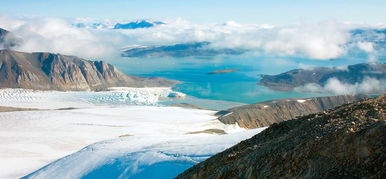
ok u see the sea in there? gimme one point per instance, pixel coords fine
(238, 86)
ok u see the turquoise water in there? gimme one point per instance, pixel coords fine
(123, 167)
(240, 86)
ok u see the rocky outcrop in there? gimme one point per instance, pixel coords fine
(269, 112)
(352, 74)
(347, 141)
(12, 109)
(47, 71)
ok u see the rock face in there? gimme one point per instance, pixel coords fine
(347, 141)
(353, 74)
(275, 111)
(46, 71)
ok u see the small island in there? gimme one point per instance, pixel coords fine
(223, 71)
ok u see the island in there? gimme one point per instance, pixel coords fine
(223, 71)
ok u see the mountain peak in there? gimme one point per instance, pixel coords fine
(47, 71)
(137, 24)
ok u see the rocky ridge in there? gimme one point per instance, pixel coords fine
(47, 71)
(347, 141)
(269, 112)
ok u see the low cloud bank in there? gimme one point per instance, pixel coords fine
(60, 36)
(320, 41)
(335, 86)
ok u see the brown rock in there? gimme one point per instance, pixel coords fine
(289, 149)
(266, 113)
(47, 71)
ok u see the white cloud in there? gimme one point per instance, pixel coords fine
(326, 40)
(306, 66)
(343, 67)
(334, 86)
(60, 36)
(366, 46)
(322, 41)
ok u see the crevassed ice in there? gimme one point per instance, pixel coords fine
(60, 99)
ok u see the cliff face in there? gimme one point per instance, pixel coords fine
(353, 74)
(46, 71)
(347, 141)
(269, 112)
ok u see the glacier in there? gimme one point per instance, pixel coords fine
(29, 98)
(121, 133)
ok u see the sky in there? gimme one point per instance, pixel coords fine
(205, 11)
(300, 28)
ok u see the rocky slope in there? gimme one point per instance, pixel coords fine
(266, 113)
(46, 71)
(299, 77)
(347, 141)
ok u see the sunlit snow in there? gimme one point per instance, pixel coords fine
(103, 137)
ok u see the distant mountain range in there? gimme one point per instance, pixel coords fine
(320, 75)
(374, 36)
(130, 25)
(344, 142)
(47, 71)
(179, 50)
(138, 24)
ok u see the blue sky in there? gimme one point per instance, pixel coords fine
(245, 11)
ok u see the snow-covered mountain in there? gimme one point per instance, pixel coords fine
(138, 24)
(118, 25)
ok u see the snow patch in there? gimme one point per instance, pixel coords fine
(37, 138)
(227, 114)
